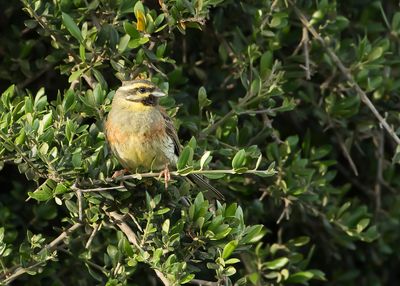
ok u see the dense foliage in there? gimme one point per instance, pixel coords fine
(290, 108)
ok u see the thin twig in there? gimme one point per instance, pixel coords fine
(344, 70)
(305, 41)
(92, 235)
(102, 189)
(286, 211)
(51, 246)
(79, 196)
(342, 145)
(203, 282)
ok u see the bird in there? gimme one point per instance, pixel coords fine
(142, 136)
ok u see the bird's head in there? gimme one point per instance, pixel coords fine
(141, 92)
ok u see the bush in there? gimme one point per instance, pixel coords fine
(290, 109)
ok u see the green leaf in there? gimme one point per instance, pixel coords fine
(362, 224)
(165, 226)
(71, 26)
(112, 251)
(192, 143)
(229, 248)
(229, 271)
(60, 189)
(82, 52)
(255, 86)
(266, 63)
(202, 98)
(300, 277)
(300, 241)
(134, 43)
(123, 43)
(44, 192)
(396, 22)
(1, 234)
(185, 158)
(375, 54)
(187, 279)
(77, 158)
(198, 201)
(131, 30)
(239, 159)
(277, 263)
(205, 159)
(253, 234)
(232, 261)
(75, 75)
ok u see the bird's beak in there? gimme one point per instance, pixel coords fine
(158, 93)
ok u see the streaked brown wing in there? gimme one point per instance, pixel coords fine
(197, 179)
(170, 128)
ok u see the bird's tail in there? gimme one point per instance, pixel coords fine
(212, 192)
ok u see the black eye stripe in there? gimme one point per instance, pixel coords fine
(143, 89)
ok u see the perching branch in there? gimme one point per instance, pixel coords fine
(200, 172)
(344, 70)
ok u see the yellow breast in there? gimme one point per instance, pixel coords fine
(138, 138)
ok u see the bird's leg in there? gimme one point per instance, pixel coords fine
(119, 173)
(166, 174)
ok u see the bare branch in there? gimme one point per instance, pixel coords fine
(124, 227)
(162, 277)
(92, 235)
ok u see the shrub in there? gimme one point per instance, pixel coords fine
(289, 108)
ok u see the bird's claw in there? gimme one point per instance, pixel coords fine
(166, 174)
(119, 173)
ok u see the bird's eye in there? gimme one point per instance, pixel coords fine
(142, 90)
